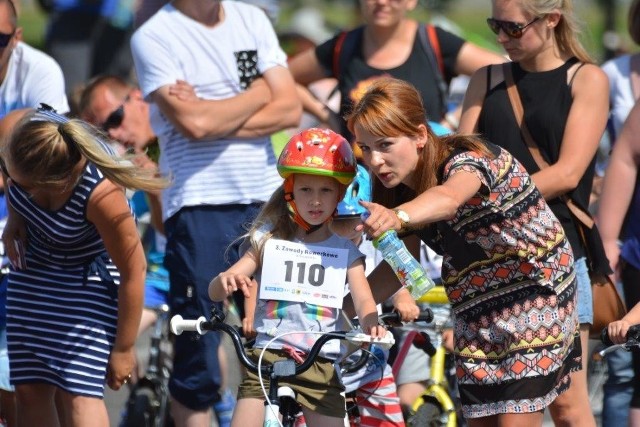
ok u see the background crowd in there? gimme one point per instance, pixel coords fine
(219, 114)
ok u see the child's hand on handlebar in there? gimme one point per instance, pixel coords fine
(405, 305)
(618, 331)
(231, 282)
(376, 331)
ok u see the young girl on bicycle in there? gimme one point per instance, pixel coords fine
(300, 268)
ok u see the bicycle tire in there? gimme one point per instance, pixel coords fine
(429, 414)
(140, 408)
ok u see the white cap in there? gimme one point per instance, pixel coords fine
(309, 23)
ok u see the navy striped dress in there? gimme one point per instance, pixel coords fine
(62, 309)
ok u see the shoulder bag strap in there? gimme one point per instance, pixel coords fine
(516, 104)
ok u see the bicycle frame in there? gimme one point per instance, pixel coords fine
(279, 369)
(438, 387)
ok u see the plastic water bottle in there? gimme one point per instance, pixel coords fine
(408, 270)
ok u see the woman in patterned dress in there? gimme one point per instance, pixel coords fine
(507, 266)
(76, 287)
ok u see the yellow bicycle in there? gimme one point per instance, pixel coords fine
(436, 405)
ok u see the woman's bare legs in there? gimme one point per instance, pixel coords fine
(532, 419)
(572, 408)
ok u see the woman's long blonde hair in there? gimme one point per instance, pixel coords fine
(48, 152)
(567, 30)
(392, 108)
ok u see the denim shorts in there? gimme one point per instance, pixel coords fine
(585, 301)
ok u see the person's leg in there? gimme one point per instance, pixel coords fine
(8, 407)
(35, 405)
(634, 417)
(617, 389)
(409, 392)
(572, 408)
(83, 411)
(184, 416)
(379, 404)
(531, 419)
(630, 277)
(197, 242)
(248, 413)
(223, 408)
(7, 395)
(314, 419)
(413, 371)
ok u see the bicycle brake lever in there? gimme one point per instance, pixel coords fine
(359, 337)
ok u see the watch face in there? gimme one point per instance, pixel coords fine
(404, 217)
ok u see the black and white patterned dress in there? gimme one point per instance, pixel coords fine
(62, 309)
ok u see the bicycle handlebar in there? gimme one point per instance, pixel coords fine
(202, 326)
(633, 340)
(393, 318)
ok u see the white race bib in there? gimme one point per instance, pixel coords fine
(303, 273)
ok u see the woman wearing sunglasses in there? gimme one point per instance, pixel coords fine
(390, 44)
(563, 99)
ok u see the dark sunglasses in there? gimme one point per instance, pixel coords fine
(114, 119)
(512, 29)
(5, 39)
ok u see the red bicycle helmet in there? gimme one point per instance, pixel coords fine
(318, 152)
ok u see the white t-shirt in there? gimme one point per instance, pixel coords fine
(33, 77)
(620, 93)
(218, 62)
(278, 317)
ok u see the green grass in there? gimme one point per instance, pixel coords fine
(33, 22)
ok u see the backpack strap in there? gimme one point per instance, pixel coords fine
(344, 49)
(435, 43)
(431, 46)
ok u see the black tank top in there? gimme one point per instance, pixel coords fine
(546, 99)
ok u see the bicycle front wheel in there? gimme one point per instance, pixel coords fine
(428, 414)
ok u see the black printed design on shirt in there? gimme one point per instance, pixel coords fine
(247, 61)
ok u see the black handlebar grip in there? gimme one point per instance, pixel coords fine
(632, 334)
(425, 316)
(604, 337)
